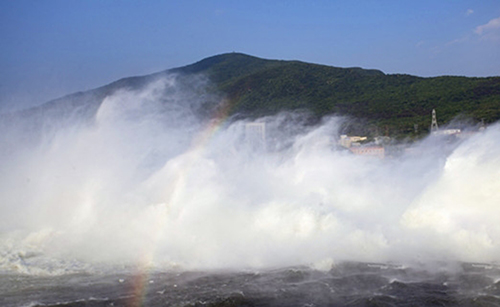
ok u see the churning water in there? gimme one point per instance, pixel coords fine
(148, 204)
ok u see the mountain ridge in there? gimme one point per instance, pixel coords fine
(259, 87)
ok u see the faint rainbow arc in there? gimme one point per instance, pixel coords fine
(141, 280)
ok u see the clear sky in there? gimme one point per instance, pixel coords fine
(50, 48)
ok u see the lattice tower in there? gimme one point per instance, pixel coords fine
(434, 125)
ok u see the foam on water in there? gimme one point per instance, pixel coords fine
(139, 186)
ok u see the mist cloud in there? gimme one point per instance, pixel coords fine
(150, 182)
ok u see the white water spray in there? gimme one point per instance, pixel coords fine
(141, 185)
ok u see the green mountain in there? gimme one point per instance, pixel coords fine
(257, 87)
(396, 102)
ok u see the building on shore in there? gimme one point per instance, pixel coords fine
(355, 145)
(447, 132)
(255, 136)
(371, 151)
(349, 141)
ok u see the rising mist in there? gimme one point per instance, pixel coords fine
(148, 182)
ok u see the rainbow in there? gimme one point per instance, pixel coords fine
(141, 278)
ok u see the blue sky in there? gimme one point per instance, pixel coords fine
(51, 48)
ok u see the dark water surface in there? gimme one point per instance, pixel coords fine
(348, 284)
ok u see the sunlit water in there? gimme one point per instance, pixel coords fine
(151, 205)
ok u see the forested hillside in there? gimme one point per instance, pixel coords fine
(392, 102)
(253, 87)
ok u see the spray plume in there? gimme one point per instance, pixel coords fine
(149, 182)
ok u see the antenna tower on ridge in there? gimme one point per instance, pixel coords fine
(434, 125)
